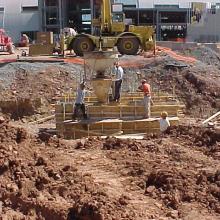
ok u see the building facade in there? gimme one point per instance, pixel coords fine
(57, 14)
(173, 20)
(170, 20)
(207, 29)
(19, 16)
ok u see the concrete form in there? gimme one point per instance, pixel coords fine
(115, 119)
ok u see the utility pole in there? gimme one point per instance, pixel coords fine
(60, 15)
(138, 13)
(3, 19)
(92, 15)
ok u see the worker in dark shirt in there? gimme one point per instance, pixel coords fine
(119, 73)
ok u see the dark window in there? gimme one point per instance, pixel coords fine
(173, 17)
(29, 8)
(146, 17)
(79, 15)
(51, 2)
(52, 17)
(2, 9)
(117, 17)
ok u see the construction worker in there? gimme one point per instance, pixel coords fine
(146, 89)
(24, 42)
(164, 122)
(119, 73)
(79, 103)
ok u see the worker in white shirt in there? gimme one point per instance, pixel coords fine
(119, 72)
(79, 103)
(164, 122)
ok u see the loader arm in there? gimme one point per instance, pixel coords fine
(106, 16)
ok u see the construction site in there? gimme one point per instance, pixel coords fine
(115, 163)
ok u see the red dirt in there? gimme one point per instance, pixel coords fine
(176, 56)
(175, 176)
(47, 83)
(197, 87)
(95, 179)
(32, 93)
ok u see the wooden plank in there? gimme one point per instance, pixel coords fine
(43, 119)
(211, 118)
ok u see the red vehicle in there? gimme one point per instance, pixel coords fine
(6, 43)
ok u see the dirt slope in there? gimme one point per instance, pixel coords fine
(197, 86)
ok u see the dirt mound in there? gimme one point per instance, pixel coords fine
(175, 187)
(201, 136)
(51, 178)
(204, 139)
(98, 207)
(33, 184)
(90, 143)
(11, 134)
(110, 143)
(31, 92)
(197, 86)
(10, 138)
(204, 54)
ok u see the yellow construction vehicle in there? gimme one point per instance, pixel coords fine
(111, 31)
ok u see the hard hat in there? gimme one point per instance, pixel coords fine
(143, 81)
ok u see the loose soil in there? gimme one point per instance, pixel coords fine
(28, 89)
(34, 86)
(197, 86)
(174, 176)
(94, 179)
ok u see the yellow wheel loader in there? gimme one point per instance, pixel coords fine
(111, 31)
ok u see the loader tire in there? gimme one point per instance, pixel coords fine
(128, 45)
(82, 44)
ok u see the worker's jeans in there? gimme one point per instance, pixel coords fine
(77, 108)
(117, 89)
(147, 102)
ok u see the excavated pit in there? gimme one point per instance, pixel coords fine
(19, 108)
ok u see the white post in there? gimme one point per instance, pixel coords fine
(92, 15)
(138, 13)
(3, 20)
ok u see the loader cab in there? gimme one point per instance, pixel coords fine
(118, 18)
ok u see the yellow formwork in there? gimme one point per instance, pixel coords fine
(64, 111)
(91, 128)
(93, 99)
(112, 127)
(114, 119)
